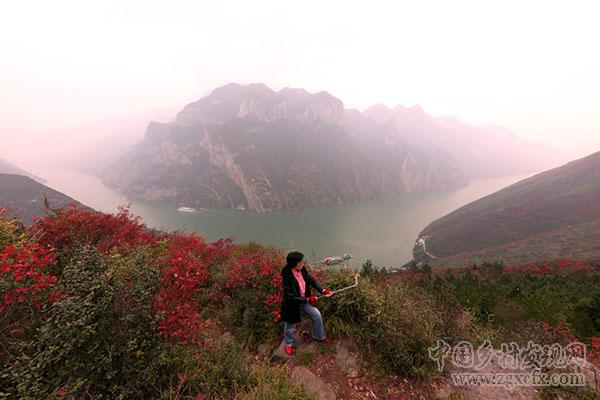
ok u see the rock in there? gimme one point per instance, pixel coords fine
(312, 384)
(589, 371)
(485, 392)
(347, 361)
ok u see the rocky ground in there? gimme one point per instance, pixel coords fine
(334, 370)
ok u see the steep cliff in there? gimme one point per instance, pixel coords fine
(252, 147)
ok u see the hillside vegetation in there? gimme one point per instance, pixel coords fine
(554, 214)
(98, 306)
(24, 198)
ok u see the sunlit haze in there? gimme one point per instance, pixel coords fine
(530, 66)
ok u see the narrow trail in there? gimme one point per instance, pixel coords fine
(421, 242)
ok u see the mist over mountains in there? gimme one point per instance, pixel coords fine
(251, 147)
(255, 148)
(480, 151)
(247, 146)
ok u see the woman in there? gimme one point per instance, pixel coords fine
(297, 283)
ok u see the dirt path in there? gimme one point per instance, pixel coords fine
(421, 242)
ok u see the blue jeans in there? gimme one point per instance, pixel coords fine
(318, 331)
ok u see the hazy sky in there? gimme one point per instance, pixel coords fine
(531, 66)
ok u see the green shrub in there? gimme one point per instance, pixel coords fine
(345, 311)
(11, 232)
(399, 334)
(224, 369)
(368, 270)
(513, 302)
(585, 315)
(101, 339)
(248, 319)
(305, 358)
(218, 369)
(393, 325)
(272, 383)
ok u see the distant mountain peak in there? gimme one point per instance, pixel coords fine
(259, 101)
(265, 150)
(447, 120)
(295, 94)
(416, 109)
(381, 113)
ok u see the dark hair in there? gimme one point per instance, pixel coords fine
(293, 258)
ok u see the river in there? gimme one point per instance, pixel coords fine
(383, 231)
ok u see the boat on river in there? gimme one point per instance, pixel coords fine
(186, 209)
(335, 259)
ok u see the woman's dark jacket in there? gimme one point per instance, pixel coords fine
(291, 302)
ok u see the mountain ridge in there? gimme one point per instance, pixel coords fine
(251, 147)
(23, 198)
(481, 151)
(6, 167)
(524, 218)
(248, 146)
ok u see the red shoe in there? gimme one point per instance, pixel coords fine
(289, 350)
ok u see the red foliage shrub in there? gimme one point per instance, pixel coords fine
(25, 276)
(105, 231)
(552, 267)
(560, 333)
(261, 272)
(594, 353)
(184, 272)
